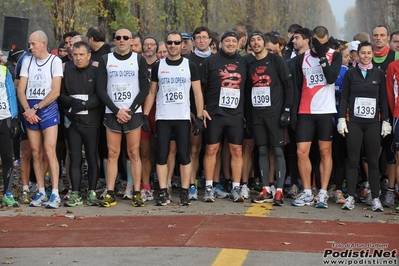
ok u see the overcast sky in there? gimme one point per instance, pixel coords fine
(339, 8)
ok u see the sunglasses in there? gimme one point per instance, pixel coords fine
(173, 42)
(118, 38)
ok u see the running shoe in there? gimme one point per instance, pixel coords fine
(192, 193)
(263, 197)
(376, 205)
(121, 187)
(147, 195)
(176, 181)
(303, 199)
(389, 200)
(384, 184)
(102, 196)
(138, 200)
(315, 191)
(74, 200)
(68, 194)
(369, 199)
(339, 197)
(39, 199)
(293, 192)
(169, 190)
(128, 194)
(25, 197)
(321, 200)
(209, 194)
(278, 198)
(349, 203)
(92, 199)
(163, 199)
(184, 199)
(236, 195)
(273, 190)
(331, 190)
(364, 193)
(245, 191)
(107, 201)
(8, 200)
(397, 209)
(54, 203)
(33, 188)
(227, 185)
(219, 192)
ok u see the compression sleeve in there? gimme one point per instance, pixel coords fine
(102, 79)
(383, 98)
(344, 95)
(143, 83)
(331, 72)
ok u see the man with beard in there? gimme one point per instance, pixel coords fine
(150, 48)
(269, 95)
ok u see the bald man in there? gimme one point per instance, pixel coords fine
(38, 89)
(122, 85)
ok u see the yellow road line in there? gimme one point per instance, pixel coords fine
(231, 257)
(259, 210)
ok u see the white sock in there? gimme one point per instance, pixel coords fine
(308, 192)
(209, 183)
(25, 188)
(42, 190)
(55, 191)
(235, 184)
(323, 191)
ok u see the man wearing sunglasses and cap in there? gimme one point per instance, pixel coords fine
(174, 75)
(223, 80)
(122, 85)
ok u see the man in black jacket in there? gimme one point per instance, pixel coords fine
(83, 112)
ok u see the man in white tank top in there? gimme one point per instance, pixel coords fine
(122, 85)
(38, 89)
(174, 75)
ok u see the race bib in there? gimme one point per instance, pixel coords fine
(365, 107)
(229, 98)
(83, 97)
(3, 102)
(121, 92)
(172, 93)
(260, 96)
(36, 90)
(315, 76)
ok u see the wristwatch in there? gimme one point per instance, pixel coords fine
(36, 107)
